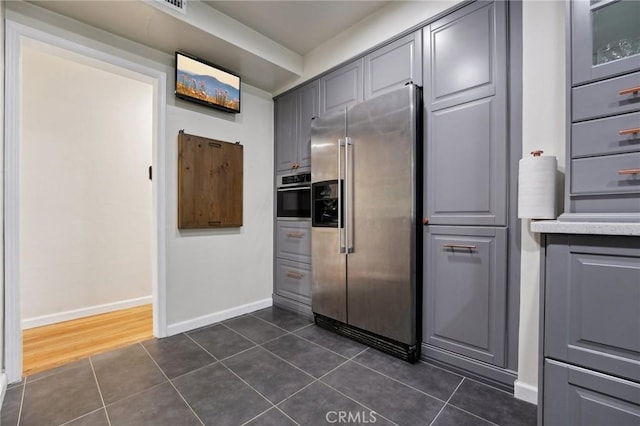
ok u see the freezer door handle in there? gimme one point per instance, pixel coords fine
(341, 247)
(348, 142)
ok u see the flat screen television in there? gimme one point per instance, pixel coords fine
(202, 82)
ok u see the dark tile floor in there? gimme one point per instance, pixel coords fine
(271, 367)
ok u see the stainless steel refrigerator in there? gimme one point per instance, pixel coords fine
(364, 174)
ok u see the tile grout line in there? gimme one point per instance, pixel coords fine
(251, 340)
(95, 377)
(246, 383)
(403, 383)
(171, 383)
(286, 415)
(276, 325)
(24, 390)
(330, 350)
(83, 416)
(446, 402)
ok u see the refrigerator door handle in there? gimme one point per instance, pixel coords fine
(347, 196)
(341, 247)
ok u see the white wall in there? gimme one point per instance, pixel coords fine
(382, 25)
(210, 274)
(85, 197)
(543, 127)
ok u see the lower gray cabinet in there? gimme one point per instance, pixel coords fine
(293, 280)
(293, 240)
(465, 291)
(574, 396)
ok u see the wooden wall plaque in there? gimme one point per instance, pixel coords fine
(209, 183)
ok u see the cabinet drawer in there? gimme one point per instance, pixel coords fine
(601, 175)
(598, 137)
(577, 397)
(293, 280)
(293, 240)
(604, 98)
(465, 291)
(592, 305)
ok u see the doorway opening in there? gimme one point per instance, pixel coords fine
(83, 223)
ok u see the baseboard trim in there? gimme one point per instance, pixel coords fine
(293, 305)
(192, 324)
(84, 312)
(465, 366)
(3, 387)
(525, 392)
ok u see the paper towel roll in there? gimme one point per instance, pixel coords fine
(537, 188)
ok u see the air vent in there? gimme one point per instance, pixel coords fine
(179, 5)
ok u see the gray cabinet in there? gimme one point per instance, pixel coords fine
(603, 155)
(394, 65)
(292, 275)
(590, 315)
(341, 88)
(465, 293)
(577, 397)
(293, 113)
(465, 113)
(605, 39)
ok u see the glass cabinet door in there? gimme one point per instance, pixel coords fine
(605, 37)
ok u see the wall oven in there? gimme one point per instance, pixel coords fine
(294, 196)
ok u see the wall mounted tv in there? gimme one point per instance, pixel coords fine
(204, 83)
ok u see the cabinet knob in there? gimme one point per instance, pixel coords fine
(425, 220)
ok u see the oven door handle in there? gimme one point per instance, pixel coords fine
(297, 188)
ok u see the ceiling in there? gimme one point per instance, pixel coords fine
(298, 25)
(292, 26)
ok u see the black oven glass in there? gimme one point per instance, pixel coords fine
(325, 204)
(294, 202)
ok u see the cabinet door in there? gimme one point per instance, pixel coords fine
(466, 164)
(308, 108)
(293, 280)
(577, 397)
(465, 55)
(592, 303)
(341, 88)
(293, 240)
(605, 39)
(465, 291)
(393, 65)
(286, 131)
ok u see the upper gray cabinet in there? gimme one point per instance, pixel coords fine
(341, 88)
(605, 39)
(465, 55)
(294, 112)
(466, 112)
(393, 65)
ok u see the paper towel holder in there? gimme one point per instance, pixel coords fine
(537, 153)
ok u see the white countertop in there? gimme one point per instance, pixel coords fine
(596, 228)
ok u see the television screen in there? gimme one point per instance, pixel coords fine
(199, 81)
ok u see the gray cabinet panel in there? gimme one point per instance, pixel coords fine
(465, 291)
(393, 65)
(602, 175)
(285, 131)
(603, 98)
(465, 56)
(599, 137)
(593, 53)
(293, 240)
(341, 88)
(577, 397)
(592, 304)
(293, 280)
(308, 108)
(466, 165)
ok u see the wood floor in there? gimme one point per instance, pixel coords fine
(57, 344)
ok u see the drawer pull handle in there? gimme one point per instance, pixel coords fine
(459, 246)
(295, 275)
(629, 171)
(630, 90)
(633, 131)
(295, 234)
